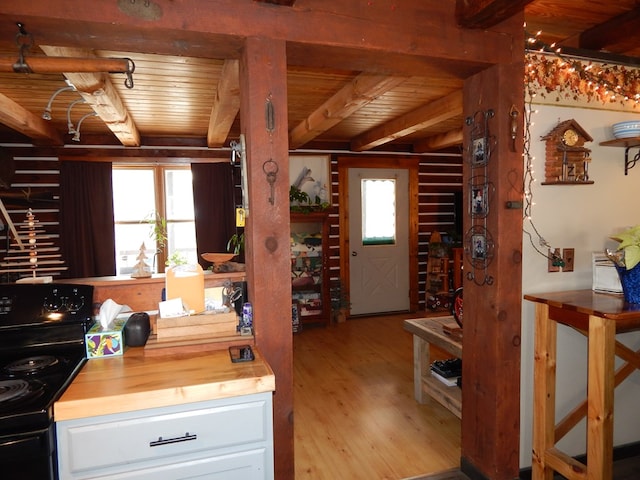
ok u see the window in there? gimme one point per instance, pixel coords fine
(378, 211)
(142, 194)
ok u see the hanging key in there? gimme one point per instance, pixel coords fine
(270, 168)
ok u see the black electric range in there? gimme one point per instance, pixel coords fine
(42, 348)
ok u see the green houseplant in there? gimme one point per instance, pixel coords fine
(630, 247)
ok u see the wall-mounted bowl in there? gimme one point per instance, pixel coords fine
(629, 129)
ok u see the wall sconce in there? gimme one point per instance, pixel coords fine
(47, 110)
(70, 129)
(76, 136)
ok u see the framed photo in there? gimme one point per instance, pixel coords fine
(479, 153)
(479, 244)
(478, 247)
(479, 201)
(312, 175)
(480, 192)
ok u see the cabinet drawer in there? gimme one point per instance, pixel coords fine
(160, 434)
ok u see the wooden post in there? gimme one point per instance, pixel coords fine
(492, 310)
(263, 113)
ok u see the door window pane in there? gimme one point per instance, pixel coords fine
(378, 211)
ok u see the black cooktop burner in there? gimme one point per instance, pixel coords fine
(17, 389)
(31, 365)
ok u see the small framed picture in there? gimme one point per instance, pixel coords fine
(479, 200)
(479, 244)
(479, 151)
(480, 192)
(478, 247)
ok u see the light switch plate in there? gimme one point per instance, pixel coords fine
(553, 254)
(568, 255)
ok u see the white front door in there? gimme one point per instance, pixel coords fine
(378, 240)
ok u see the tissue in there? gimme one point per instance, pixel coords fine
(109, 310)
(106, 337)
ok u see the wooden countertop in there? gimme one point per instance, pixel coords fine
(135, 382)
(573, 307)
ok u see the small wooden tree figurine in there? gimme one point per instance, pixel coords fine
(141, 269)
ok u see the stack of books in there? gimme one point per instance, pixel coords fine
(448, 371)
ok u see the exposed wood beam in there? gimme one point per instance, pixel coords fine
(22, 120)
(430, 114)
(620, 34)
(359, 92)
(438, 142)
(203, 31)
(486, 13)
(288, 3)
(100, 94)
(225, 106)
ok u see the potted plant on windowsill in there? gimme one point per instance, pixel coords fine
(627, 262)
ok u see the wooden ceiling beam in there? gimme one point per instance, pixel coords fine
(349, 99)
(23, 121)
(288, 3)
(430, 114)
(100, 94)
(439, 142)
(487, 13)
(226, 104)
(620, 34)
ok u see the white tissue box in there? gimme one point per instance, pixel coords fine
(106, 343)
(605, 275)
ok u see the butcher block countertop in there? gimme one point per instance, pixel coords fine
(135, 382)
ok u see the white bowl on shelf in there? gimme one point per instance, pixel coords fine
(629, 129)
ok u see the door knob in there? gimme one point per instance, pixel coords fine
(354, 254)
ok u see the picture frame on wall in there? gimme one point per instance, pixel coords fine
(311, 174)
(480, 192)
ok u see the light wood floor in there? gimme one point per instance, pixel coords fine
(354, 412)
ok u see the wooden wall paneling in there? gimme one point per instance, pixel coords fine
(35, 184)
(440, 178)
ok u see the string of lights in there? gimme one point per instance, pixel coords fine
(553, 72)
(549, 71)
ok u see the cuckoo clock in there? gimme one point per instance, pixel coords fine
(566, 157)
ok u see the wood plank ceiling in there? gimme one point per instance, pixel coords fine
(194, 100)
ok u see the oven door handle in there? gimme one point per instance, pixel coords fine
(166, 441)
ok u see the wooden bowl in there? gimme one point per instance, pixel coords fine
(218, 257)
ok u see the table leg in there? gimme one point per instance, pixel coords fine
(544, 391)
(421, 365)
(600, 398)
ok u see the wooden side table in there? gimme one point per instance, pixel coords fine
(430, 331)
(599, 317)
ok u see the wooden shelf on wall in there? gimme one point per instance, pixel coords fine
(627, 144)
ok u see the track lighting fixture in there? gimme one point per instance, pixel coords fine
(76, 136)
(47, 111)
(70, 129)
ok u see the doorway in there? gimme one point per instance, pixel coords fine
(378, 241)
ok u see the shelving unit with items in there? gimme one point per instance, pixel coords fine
(309, 267)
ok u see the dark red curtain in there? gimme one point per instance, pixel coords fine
(214, 207)
(86, 219)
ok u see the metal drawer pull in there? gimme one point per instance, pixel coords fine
(167, 441)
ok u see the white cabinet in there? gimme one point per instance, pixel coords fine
(219, 439)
